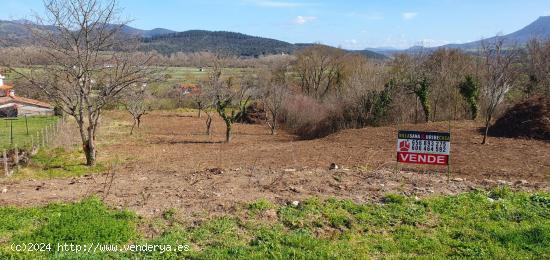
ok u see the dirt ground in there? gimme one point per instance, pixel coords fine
(171, 163)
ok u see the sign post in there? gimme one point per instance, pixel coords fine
(416, 147)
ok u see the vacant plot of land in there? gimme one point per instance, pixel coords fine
(173, 142)
(171, 163)
(274, 196)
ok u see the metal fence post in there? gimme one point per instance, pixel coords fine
(27, 124)
(11, 132)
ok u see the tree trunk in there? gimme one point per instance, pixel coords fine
(228, 126)
(426, 115)
(90, 152)
(133, 125)
(138, 121)
(200, 112)
(273, 127)
(209, 125)
(487, 123)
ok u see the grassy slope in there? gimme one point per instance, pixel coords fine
(500, 224)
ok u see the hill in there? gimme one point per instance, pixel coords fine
(223, 42)
(14, 33)
(145, 33)
(367, 53)
(539, 29)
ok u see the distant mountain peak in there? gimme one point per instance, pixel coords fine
(23, 21)
(538, 29)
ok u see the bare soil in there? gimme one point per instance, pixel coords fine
(171, 163)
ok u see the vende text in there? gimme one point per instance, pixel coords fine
(422, 158)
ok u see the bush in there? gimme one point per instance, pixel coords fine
(309, 118)
(529, 119)
(254, 114)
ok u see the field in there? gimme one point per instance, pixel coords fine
(21, 129)
(274, 196)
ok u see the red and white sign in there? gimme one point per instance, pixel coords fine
(423, 147)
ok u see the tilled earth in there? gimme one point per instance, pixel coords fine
(171, 163)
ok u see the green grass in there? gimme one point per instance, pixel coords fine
(58, 163)
(193, 75)
(20, 136)
(500, 224)
(83, 223)
(260, 206)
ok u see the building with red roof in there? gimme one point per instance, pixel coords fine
(12, 105)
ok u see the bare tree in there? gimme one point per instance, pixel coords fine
(274, 91)
(230, 96)
(135, 102)
(200, 98)
(499, 73)
(84, 72)
(204, 99)
(319, 69)
(410, 75)
(538, 67)
(273, 98)
(446, 69)
(208, 121)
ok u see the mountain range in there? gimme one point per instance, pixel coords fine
(14, 33)
(539, 29)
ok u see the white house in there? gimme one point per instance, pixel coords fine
(24, 106)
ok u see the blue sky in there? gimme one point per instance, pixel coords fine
(351, 24)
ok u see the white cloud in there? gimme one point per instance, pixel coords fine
(275, 4)
(409, 15)
(303, 19)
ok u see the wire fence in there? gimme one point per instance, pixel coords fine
(23, 136)
(27, 131)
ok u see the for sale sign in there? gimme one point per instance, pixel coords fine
(423, 147)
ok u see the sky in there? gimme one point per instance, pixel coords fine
(350, 24)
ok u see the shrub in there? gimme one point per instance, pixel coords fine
(309, 118)
(469, 89)
(529, 119)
